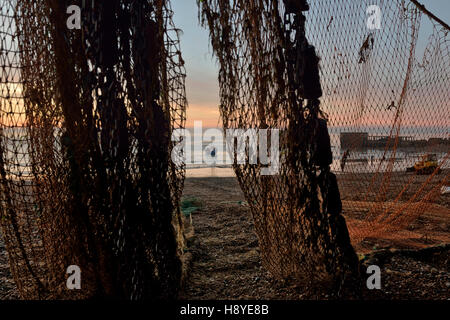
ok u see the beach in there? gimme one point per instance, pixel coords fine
(7, 287)
(226, 261)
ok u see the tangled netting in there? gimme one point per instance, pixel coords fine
(269, 79)
(86, 120)
(381, 108)
(387, 99)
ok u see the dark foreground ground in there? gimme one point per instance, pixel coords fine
(7, 286)
(226, 263)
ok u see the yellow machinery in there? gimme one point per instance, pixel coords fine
(427, 165)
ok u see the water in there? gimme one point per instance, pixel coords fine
(17, 160)
(364, 160)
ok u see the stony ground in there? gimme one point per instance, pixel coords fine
(226, 260)
(7, 286)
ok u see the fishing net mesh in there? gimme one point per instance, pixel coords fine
(308, 69)
(387, 101)
(85, 142)
(86, 118)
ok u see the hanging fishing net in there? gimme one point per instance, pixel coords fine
(85, 142)
(269, 79)
(353, 103)
(86, 118)
(387, 100)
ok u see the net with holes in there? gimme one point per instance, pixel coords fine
(387, 98)
(86, 118)
(385, 106)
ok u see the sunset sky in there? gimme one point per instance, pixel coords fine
(202, 85)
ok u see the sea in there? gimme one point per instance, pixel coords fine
(16, 155)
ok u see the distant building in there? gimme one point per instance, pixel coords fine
(362, 140)
(354, 140)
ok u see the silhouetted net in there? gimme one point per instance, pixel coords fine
(86, 118)
(387, 98)
(384, 109)
(86, 121)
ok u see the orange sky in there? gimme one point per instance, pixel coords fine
(198, 112)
